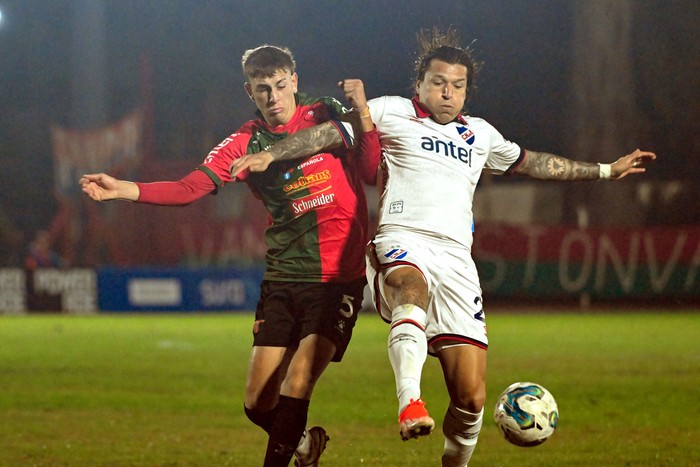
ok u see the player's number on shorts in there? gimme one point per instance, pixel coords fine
(346, 307)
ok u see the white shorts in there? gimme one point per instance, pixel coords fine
(455, 314)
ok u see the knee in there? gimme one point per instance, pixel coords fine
(299, 385)
(471, 400)
(406, 285)
(405, 278)
(259, 400)
(252, 402)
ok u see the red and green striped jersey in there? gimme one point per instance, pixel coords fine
(318, 222)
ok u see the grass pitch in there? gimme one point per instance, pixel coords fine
(167, 390)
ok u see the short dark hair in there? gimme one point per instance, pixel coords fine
(265, 60)
(445, 45)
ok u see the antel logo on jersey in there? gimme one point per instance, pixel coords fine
(307, 180)
(448, 149)
(466, 133)
(317, 200)
(396, 253)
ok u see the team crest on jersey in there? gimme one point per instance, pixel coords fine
(396, 253)
(466, 134)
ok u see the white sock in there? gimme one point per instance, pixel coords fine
(461, 430)
(408, 350)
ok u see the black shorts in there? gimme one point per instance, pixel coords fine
(289, 311)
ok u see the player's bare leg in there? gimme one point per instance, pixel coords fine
(280, 406)
(464, 368)
(266, 371)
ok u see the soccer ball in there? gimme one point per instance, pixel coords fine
(526, 414)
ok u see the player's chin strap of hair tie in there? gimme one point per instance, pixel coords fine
(604, 171)
(365, 113)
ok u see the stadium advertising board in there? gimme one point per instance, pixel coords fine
(72, 291)
(543, 262)
(179, 289)
(559, 262)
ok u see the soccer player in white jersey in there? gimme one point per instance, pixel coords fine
(420, 270)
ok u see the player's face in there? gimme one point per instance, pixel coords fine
(274, 96)
(443, 90)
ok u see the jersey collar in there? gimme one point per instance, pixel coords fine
(423, 112)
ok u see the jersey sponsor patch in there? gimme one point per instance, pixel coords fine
(307, 181)
(447, 148)
(307, 203)
(313, 160)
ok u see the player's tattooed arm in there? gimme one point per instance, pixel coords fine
(306, 142)
(545, 166)
(303, 143)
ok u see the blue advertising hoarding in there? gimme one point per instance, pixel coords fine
(178, 289)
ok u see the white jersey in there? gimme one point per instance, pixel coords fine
(430, 170)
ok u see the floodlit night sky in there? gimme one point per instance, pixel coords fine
(194, 49)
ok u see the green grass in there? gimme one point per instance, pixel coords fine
(167, 390)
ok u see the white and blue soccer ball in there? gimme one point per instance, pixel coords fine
(526, 414)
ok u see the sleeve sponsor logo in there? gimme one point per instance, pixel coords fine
(215, 151)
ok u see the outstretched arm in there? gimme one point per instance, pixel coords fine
(545, 166)
(103, 187)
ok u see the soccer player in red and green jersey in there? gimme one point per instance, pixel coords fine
(315, 267)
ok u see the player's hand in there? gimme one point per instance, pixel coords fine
(630, 164)
(100, 187)
(253, 162)
(354, 92)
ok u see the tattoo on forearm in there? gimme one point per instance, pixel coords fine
(547, 166)
(307, 142)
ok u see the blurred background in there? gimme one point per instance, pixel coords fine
(143, 89)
